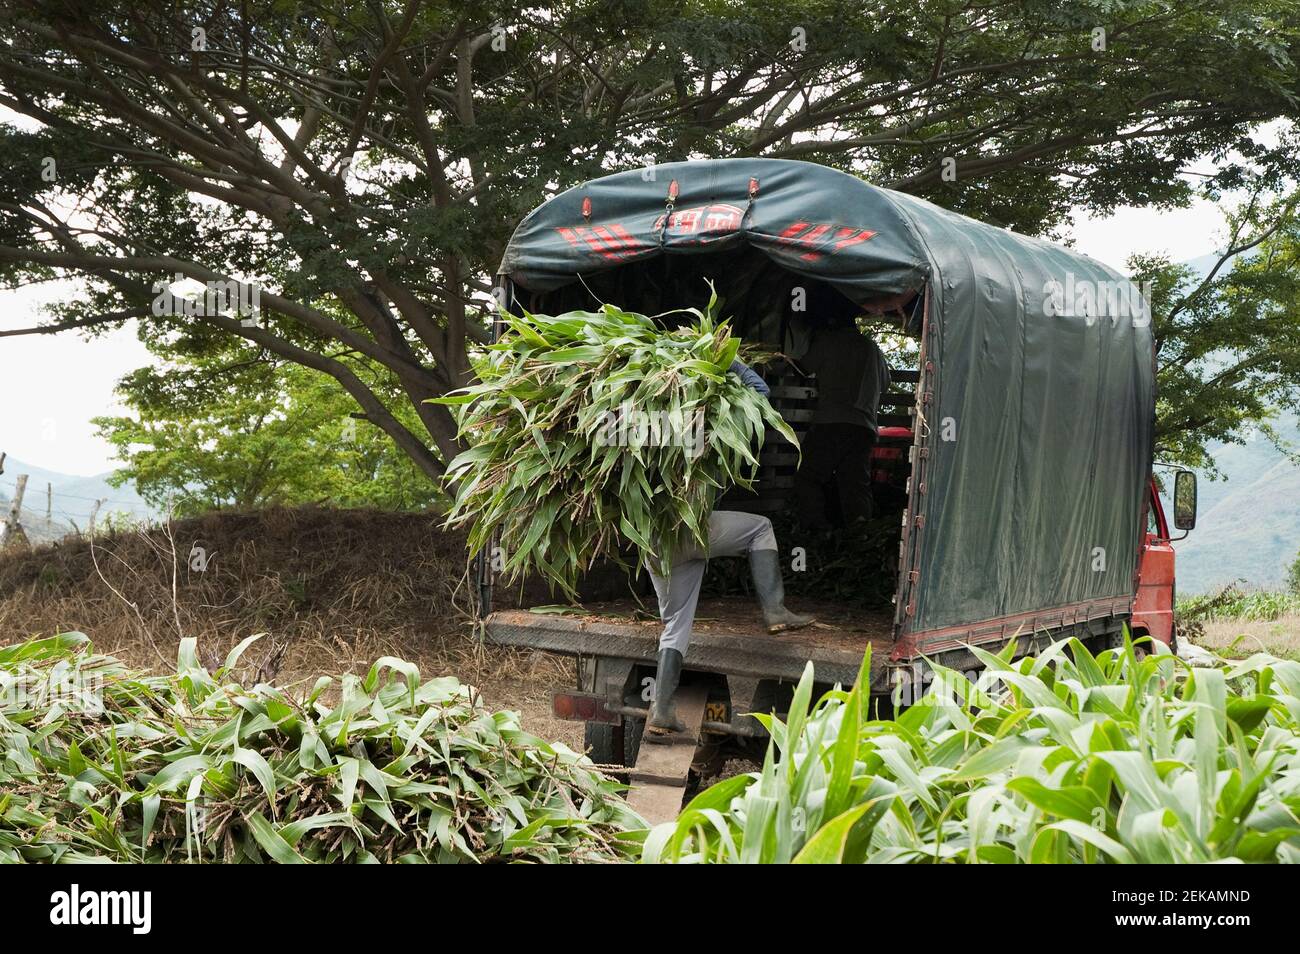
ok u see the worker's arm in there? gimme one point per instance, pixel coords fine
(750, 377)
(810, 362)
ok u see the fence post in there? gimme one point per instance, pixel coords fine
(12, 527)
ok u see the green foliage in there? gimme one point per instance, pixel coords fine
(1234, 603)
(231, 426)
(1293, 575)
(1064, 757)
(387, 175)
(594, 431)
(193, 766)
(1228, 344)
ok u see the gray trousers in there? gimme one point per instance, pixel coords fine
(731, 533)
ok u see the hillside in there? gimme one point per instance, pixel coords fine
(74, 496)
(1248, 525)
(1248, 522)
(57, 504)
(331, 589)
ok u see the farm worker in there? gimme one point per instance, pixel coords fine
(852, 377)
(731, 533)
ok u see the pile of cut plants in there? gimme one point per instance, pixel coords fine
(100, 763)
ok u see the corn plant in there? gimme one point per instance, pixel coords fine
(100, 763)
(1063, 757)
(595, 434)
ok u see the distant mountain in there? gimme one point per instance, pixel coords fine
(68, 499)
(1248, 525)
(1203, 263)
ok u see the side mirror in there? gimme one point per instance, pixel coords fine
(1185, 500)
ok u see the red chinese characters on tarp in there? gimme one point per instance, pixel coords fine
(703, 222)
(812, 240)
(809, 240)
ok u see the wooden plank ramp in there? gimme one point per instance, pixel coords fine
(662, 770)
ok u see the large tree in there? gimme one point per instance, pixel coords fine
(376, 155)
(238, 427)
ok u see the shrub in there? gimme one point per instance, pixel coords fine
(1235, 603)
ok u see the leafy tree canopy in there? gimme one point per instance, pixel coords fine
(364, 163)
(1228, 342)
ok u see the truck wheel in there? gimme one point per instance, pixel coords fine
(604, 742)
(632, 731)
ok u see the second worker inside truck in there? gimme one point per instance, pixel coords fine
(852, 377)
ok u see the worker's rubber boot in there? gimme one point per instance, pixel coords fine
(663, 723)
(765, 565)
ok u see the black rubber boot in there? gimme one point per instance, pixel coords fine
(766, 568)
(663, 723)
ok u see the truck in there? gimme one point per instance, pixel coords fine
(1017, 443)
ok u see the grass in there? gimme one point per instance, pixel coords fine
(332, 585)
(364, 576)
(1280, 636)
(1236, 622)
(1234, 603)
(1063, 757)
(334, 589)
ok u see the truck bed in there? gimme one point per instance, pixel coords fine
(728, 637)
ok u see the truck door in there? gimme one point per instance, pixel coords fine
(1153, 609)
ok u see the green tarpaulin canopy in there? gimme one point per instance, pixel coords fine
(1037, 397)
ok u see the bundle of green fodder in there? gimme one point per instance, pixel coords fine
(100, 763)
(592, 433)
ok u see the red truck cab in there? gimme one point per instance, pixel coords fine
(1153, 605)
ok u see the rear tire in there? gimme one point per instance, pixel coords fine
(604, 742)
(613, 744)
(632, 732)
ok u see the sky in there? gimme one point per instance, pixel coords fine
(52, 385)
